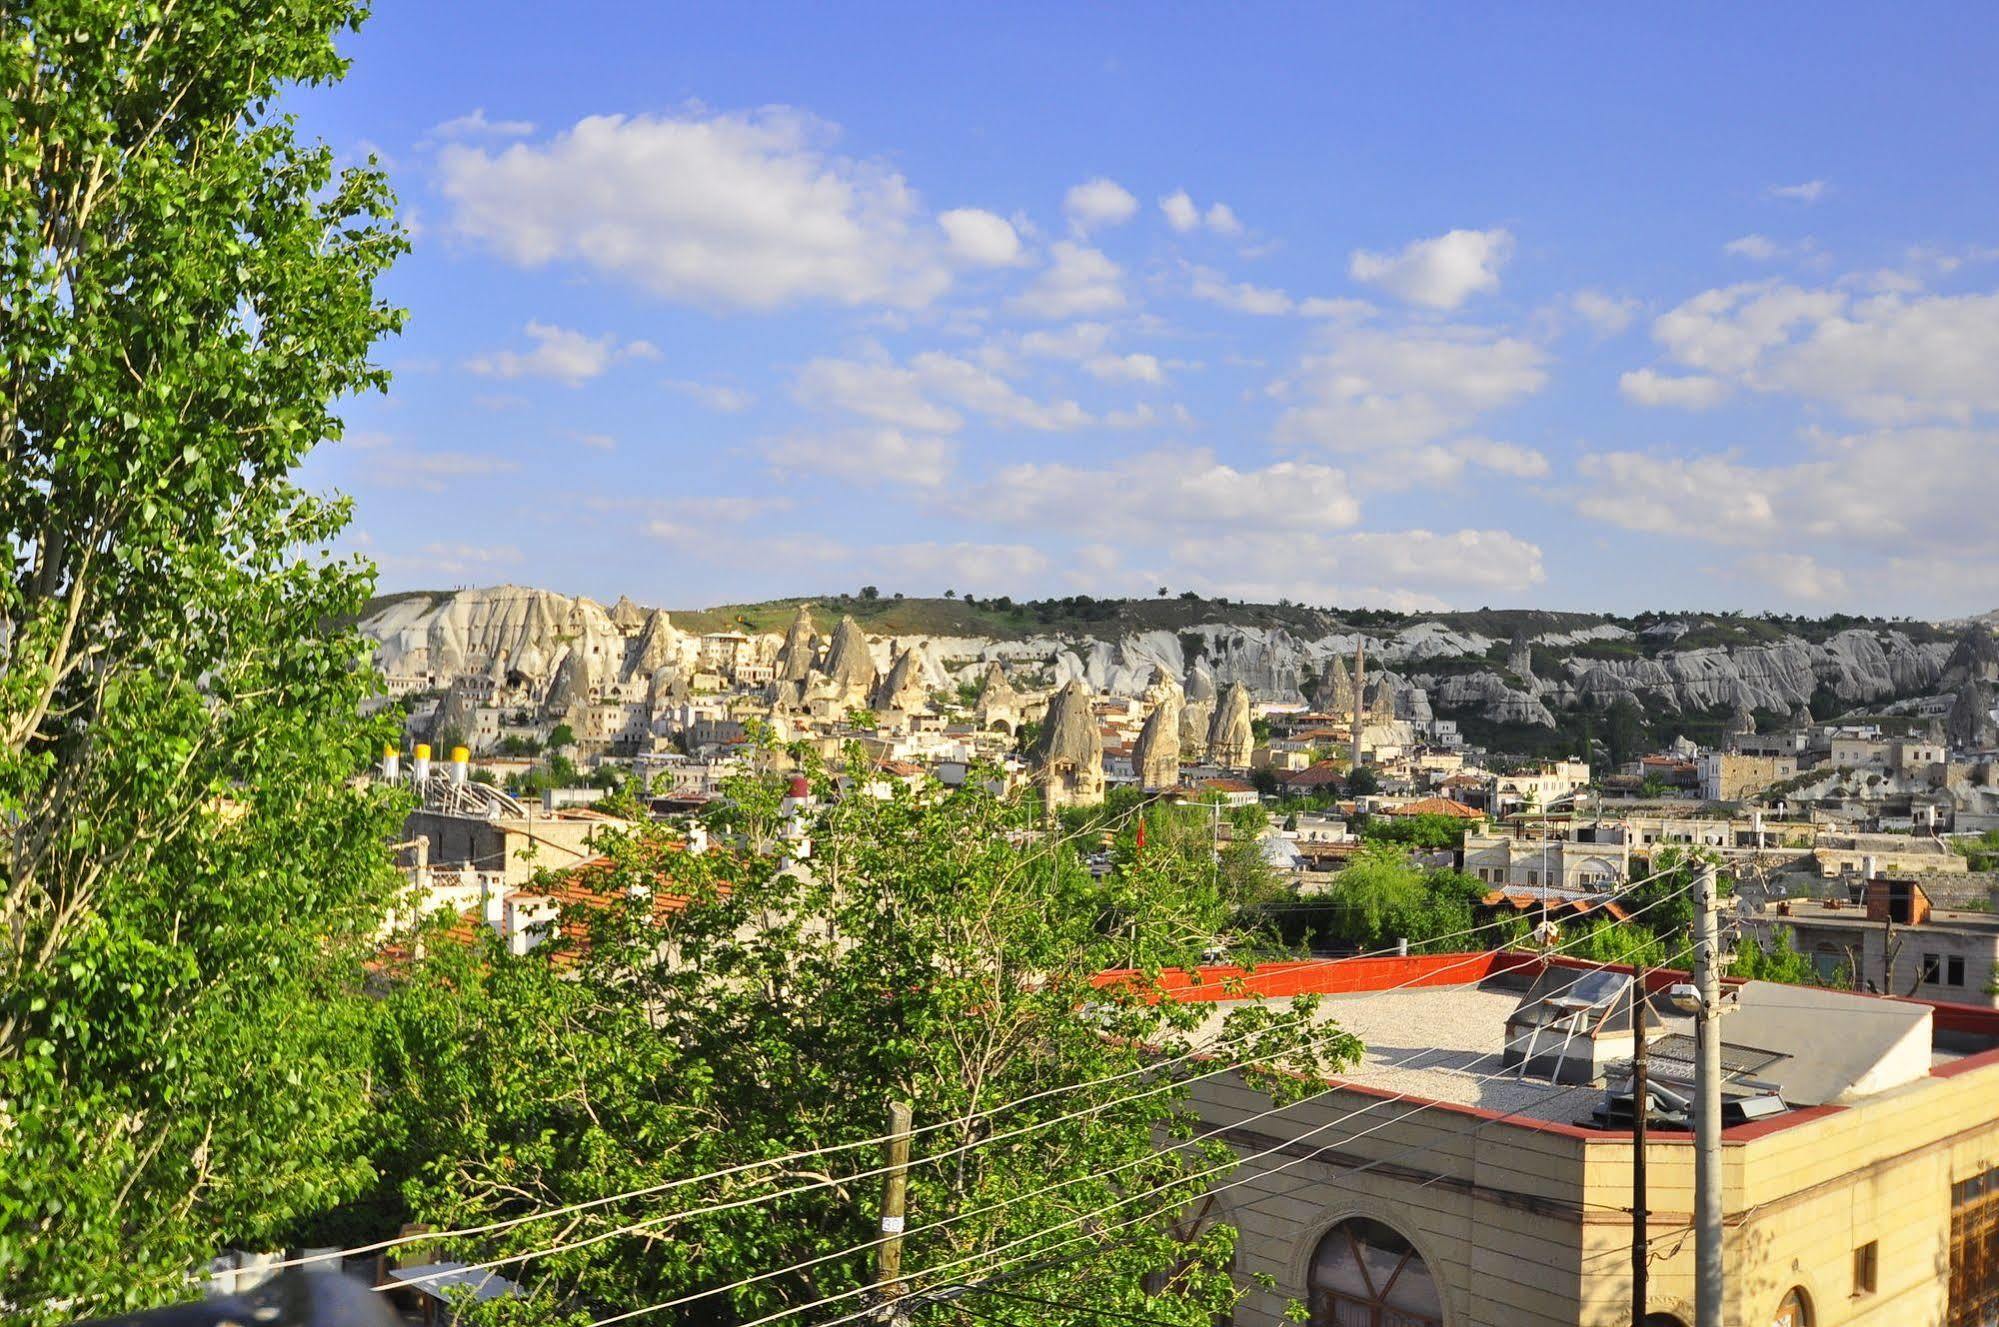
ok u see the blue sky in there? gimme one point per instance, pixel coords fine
(1404, 307)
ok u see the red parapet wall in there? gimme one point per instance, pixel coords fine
(1316, 976)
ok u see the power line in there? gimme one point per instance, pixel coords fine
(1206, 1051)
(1275, 1110)
(760, 1199)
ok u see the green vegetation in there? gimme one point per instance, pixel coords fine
(1431, 832)
(1779, 961)
(189, 876)
(1981, 851)
(1381, 898)
(510, 1084)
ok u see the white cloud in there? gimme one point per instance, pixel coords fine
(1607, 314)
(560, 353)
(1795, 576)
(1502, 457)
(1900, 492)
(980, 238)
(1097, 203)
(1411, 569)
(602, 442)
(1183, 215)
(728, 211)
(1380, 389)
(1808, 192)
(1077, 341)
(1889, 358)
(963, 565)
(1168, 489)
(719, 397)
(920, 395)
(1707, 496)
(1757, 248)
(879, 390)
(455, 561)
(869, 456)
(1079, 281)
(1126, 368)
(432, 472)
(1439, 273)
(476, 125)
(1337, 310)
(1241, 296)
(1693, 391)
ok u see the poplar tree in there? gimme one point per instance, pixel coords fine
(186, 293)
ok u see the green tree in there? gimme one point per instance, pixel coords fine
(1362, 782)
(561, 737)
(1778, 961)
(1624, 731)
(185, 289)
(928, 956)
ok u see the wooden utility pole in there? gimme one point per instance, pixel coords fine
(1641, 1111)
(895, 1201)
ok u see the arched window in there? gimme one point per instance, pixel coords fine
(1366, 1275)
(1794, 1310)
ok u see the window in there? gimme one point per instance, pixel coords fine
(1866, 1264)
(1365, 1275)
(1932, 969)
(1974, 1251)
(1954, 970)
(1794, 1310)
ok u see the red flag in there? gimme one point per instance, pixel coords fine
(1141, 835)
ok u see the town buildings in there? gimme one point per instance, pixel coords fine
(1463, 1176)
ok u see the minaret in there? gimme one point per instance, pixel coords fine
(1359, 693)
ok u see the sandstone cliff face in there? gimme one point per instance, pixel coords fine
(1426, 666)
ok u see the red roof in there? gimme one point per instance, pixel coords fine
(1320, 775)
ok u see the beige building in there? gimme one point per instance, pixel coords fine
(1729, 777)
(1436, 1185)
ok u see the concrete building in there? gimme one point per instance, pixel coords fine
(1498, 858)
(1473, 1193)
(1893, 942)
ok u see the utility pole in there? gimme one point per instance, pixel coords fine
(1707, 1104)
(895, 1199)
(1641, 1111)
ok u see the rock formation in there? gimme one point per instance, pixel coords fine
(426, 641)
(1155, 758)
(457, 717)
(1197, 712)
(626, 615)
(568, 695)
(657, 646)
(903, 689)
(1520, 657)
(795, 656)
(850, 665)
(1068, 755)
(1970, 726)
(1335, 691)
(1230, 737)
(998, 705)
